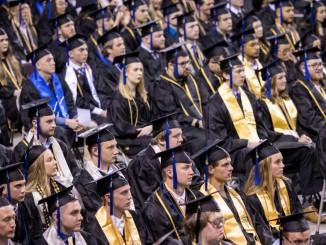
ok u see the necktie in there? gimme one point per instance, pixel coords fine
(82, 71)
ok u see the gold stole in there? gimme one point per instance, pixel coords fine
(210, 85)
(195, 61)
(271, 213)
(232, 230)
(313, 98)
(292, 39)
(254, 83)
(10, 74)
(111, 231)
(188, 94)
(243, 121)
(284, 115)
(264, 48)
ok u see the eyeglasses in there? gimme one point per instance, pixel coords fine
(300, 242)
(184, 63)
(316, 65)
(217, 223)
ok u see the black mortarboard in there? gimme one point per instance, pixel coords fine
(37, 54)
(247, 35)
(97, 136)
(34, 152)
(133, 5)
(101, 14)
(58, 199)
(173, 155)
(2, 32)
(13, 3)
(211, 48)
(183, 19)
(4, 202)
(125, 60)
(172, 54)
(85, 3)
(10, 173)
(307, 54)
(74, 42)
(284, 3)
(275, 41)
(219, 9)
(228, 63)
(38, 108)
(109, 35)
(149, 28)
(62, 19)
(293, 222)
(162, 123)
(169, 8)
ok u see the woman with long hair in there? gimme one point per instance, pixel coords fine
(130, 110)
(270, 193)
(42, 167)
(11, 79)
(317, 19)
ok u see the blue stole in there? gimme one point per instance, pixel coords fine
(172, 32)
(57, 102)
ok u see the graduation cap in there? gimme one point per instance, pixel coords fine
(183, 19)
(4, 202)
(109, 35)
(165, 122)
(172, 53)
(293, 222)
(85, 3)
(37, 54)
(74, 42)
(59, 21)
(211, 48)
(198, 206)
(307, 54)
(125, 60)
(169, 7)
(38, 108)
(228, 63)
(275, 41)
(13, 3)
(109, 183)
(101, 14)
(243, 37)
(133, 5)
(212, 153)
(148, 29)
(218, 10)
(10, 173)
(56, 201)
(173, 156)
(279, 4)
(307, 39)
(34, 152)
(268, 71)
(96, 136)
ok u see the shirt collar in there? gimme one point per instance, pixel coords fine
(75, 66)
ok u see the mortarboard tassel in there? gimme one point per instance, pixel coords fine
(242, 36)
(312, 15)
(98, 142)
(184, 29)
(58, 218)
(101, 57)
(38, 129)
(176, 69)
(215, 21)
(306, 71)
(257, 175)
(39, 7)
(206, 173)
(276, 48)
(124, 74)
(151, 40)
(174, 168)
(111, 196)
(8, 187)
(281, 13)
(56, 33)
(268, 84)
(167, 135)
(50, 10)
(198, 224)
(230, 74)
(102, 15)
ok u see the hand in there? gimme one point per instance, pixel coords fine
(253, 144)
(104, 114)
(200, 122)
(305, 139)
(194, 122)
(145, 131)
(74, 125)
(17, 92)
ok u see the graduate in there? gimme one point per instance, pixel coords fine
(170, 12)
(153, 41)
(203, 15)
(163, 211)
(130, 109)
(103, 151)
(241, 226)
(269, 192)
(178, 91)
(81, 78)
(117, 222)
(144, 171)
(28, 222)
(7, 221)
(65, 214)
(237, 11)
(267, 15)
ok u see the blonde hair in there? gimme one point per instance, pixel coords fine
(191, 223)
(13, 62)
(275, 95)
(37, 176)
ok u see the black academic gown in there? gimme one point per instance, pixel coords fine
(28, 226)
(4, 133)
(125, 125)
(295, 206)
(131, 37)
(60, 55)
(169, 97)
(267, 16)
(157, 220)
(93, 50)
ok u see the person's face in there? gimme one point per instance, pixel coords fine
(71, 217)
(25, 12)
(122, 198)
(142, 14)
(237, 3)
(79, 55)
(252, 49)
(238, 75)
(46, 64)
(321, 14)
(7, 222)
(47, 125)
(4, 43)
(156, 4)
(184, 174)
(67, 30)
(315, 67)
(192, 29)
(280, 82)
(214, 64)
(135, 72)
(183, 66)
(205, 8)
(288, 13)
(302, 238)
(17, 190)
(258, 27)
(277, 165)
(158, 40)
(60, 6)
(284, 51)
(118, 47)
(175, 137)
(50, 164)
(225, 22)
(214, 229)
(173, 19)
(108, 24)
(222, 172)
(109, 152)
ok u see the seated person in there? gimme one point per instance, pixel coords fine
(7, 221)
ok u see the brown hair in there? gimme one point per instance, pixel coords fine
(191, 224)
(275, 95)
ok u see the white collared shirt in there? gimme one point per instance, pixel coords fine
(119, 222)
